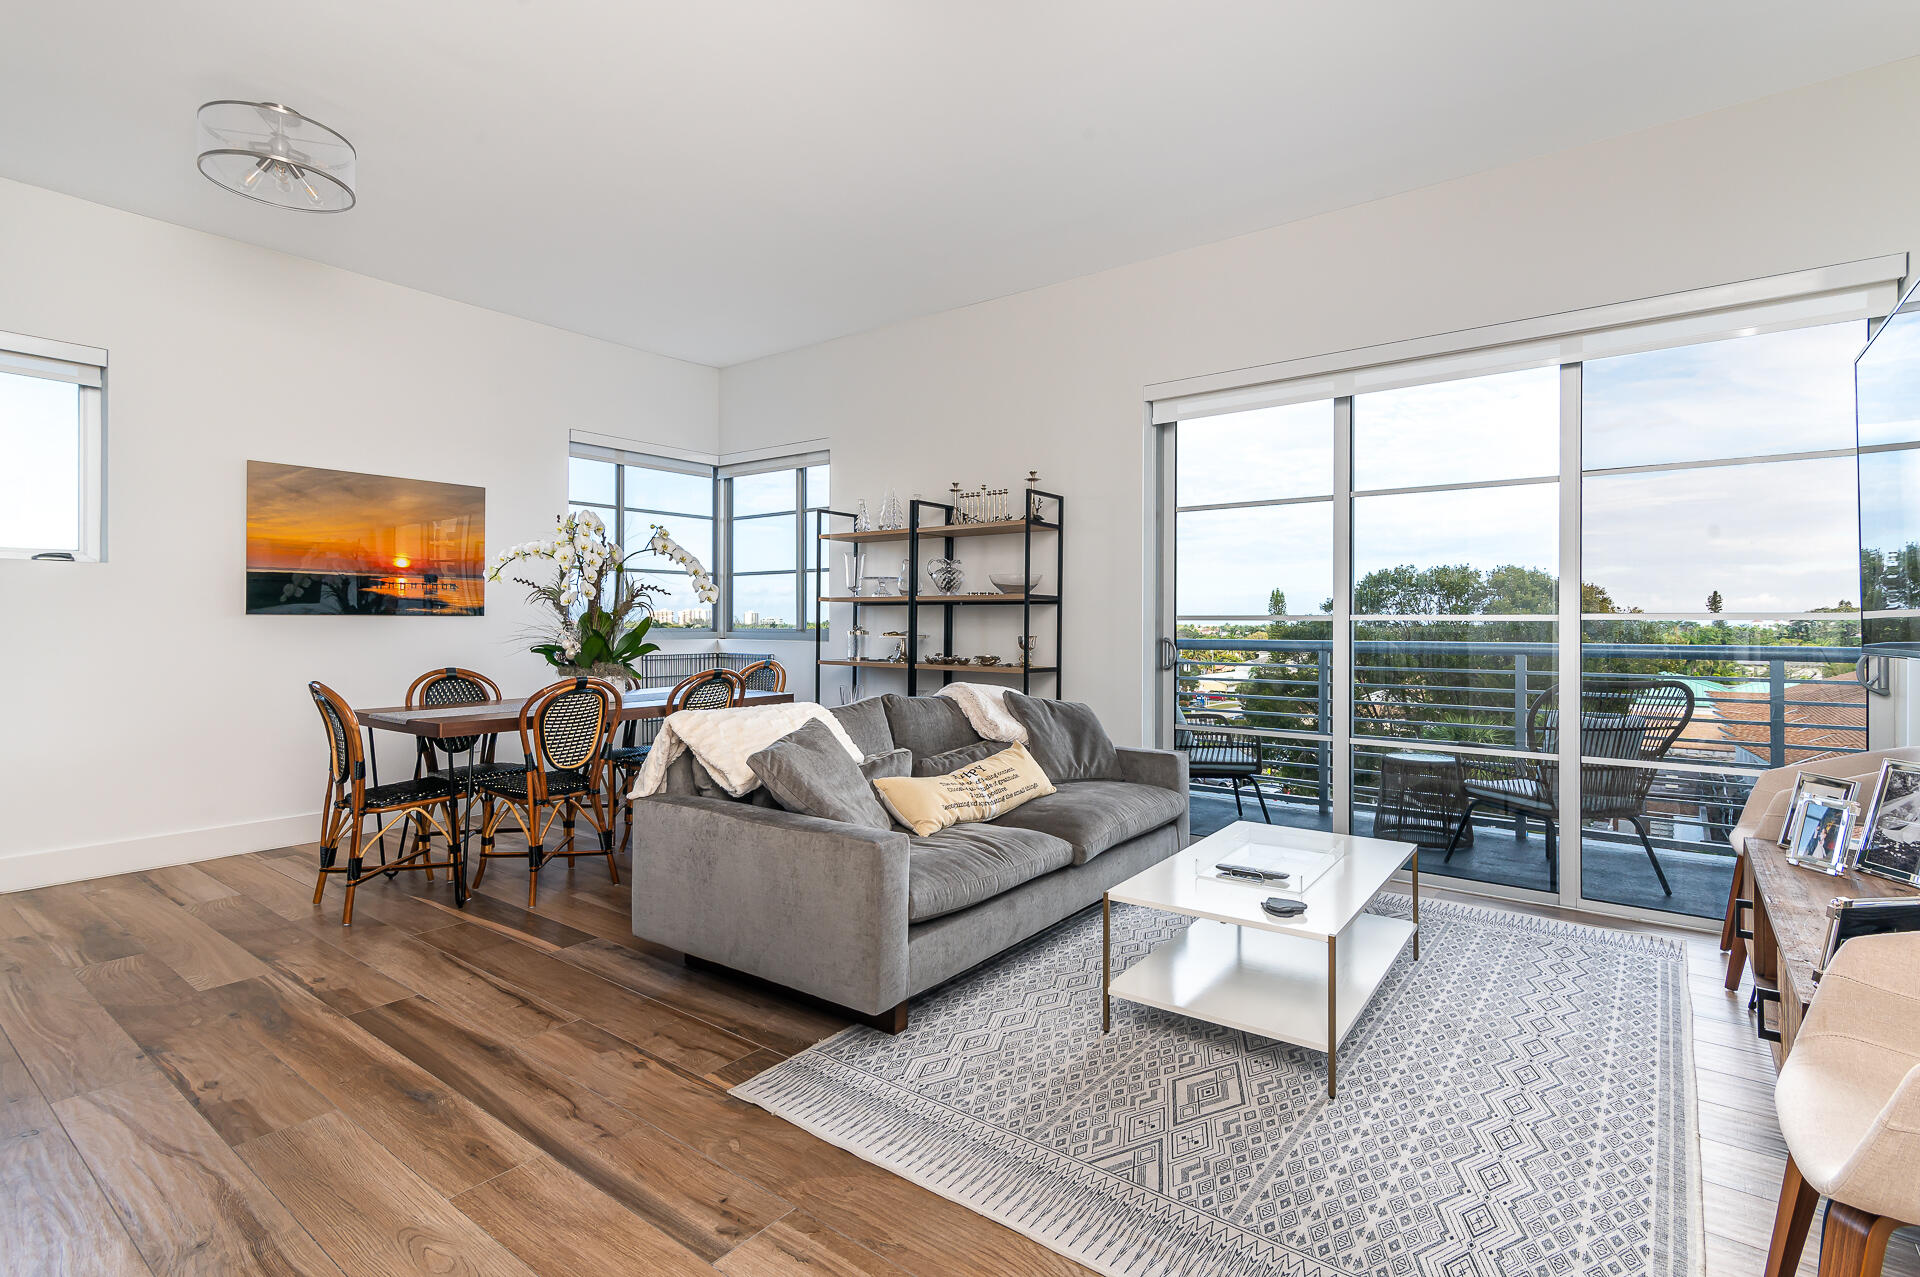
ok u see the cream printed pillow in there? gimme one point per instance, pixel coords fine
(978, 791)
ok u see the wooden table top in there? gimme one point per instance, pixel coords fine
(1796, 901)
(504, 716)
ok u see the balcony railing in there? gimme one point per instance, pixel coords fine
(1781, 706)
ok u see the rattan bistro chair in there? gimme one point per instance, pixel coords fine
(565, 732)
(1636, 719)
(438, 689)
(349, 801)
(709, 689)
(764, 676)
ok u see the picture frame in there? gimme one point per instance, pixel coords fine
(1823, 835)
(1832, 788)
(1891, 847)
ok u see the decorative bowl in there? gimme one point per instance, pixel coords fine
(1010, 583)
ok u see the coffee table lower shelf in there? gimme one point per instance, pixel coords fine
(1269, 983)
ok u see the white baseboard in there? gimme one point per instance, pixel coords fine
(29, 869)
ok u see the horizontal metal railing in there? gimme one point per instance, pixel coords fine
(1418, 693)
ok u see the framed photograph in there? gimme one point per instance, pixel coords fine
(1892, 845)
(1823, 834)
(1827, 787)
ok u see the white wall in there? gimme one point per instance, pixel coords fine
(147, 719)
(1053, 378)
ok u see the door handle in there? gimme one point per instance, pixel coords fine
(1169, 654)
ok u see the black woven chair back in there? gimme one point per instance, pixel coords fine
(709, 689)
(343, 731)
(569, 723)
(452, 686)
(764, 676)
(1206, 748)
(1638, 719)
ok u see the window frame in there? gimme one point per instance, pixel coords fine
(721, 476)
(86, 368)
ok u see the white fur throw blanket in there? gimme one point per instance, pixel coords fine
(724, 739)
(985, 705)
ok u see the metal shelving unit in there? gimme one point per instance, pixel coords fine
(1052, 509)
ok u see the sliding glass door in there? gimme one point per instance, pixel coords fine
(1392, 608)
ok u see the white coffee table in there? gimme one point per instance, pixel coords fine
(1303, 980)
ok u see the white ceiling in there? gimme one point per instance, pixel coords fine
(722, 179)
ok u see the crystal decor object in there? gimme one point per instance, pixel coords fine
(946, 574)
(862, 521)
(892, 514)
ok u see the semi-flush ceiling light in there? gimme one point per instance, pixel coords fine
(276, 155)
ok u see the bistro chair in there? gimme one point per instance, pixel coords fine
(349, 801)
(1848, 1097)
(1216, 755)
(1636, 719)
(764, 676)
(438, 689)
(565, 732)
(709, 689)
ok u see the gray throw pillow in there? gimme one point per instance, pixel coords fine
(1065, 738)
(892, 762)
(809, 771)
(954, 759)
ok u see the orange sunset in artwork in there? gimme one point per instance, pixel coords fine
(339, 542)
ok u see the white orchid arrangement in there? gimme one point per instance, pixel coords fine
(593, 628)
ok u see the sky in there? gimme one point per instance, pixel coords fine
(39, 436)
(1772, 537)
(302, 518)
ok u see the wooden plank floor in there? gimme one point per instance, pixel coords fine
(200, 1071)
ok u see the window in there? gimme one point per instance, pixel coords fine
(763, 562)
(52, 450)
(1384, 640)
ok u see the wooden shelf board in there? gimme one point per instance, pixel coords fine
(944, 530)
(941, 600)
(925, 665)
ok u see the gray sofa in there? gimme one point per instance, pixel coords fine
(867, 918)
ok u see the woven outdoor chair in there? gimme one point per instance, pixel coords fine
(709, 689)
(350, 800)
(764, 676)
(565, 732)
(455, 686)
(1213, 755)
(1636, 719)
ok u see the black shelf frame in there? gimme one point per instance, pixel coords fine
(1037, 502)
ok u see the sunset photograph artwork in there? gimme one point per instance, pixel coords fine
(338, 542)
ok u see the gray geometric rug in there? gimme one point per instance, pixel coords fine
(1518, 1101)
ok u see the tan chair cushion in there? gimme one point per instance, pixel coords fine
(1849, 1093)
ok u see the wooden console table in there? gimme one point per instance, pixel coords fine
(1788, 933)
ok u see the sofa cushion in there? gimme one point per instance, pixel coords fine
(927, 725)
(808, 771)
(1094, 815)
(954, 759)
(866, 722)
(892, 762)
(1066, 738)
(962, 866)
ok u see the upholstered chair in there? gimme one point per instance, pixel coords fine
(1849, 1101)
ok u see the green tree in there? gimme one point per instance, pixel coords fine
(1715, 603)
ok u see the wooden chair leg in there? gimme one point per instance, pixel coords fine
(423, 840)
(486, 839)
(1790, 1222)
(1853, 1243)
(329, 850)
(566, 824)
(536, 851)
(353, 867)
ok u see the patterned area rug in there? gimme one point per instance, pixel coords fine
(1518, 1101)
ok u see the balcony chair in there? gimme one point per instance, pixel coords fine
(1214, 755)
(566, 731)
(1637, 719)
(709, 689)
(349, 801)
(1849, 1103)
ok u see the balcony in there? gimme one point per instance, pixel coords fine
(1755, 707)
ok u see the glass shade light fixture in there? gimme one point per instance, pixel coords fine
(276, 155)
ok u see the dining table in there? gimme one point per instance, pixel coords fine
(489, 718)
